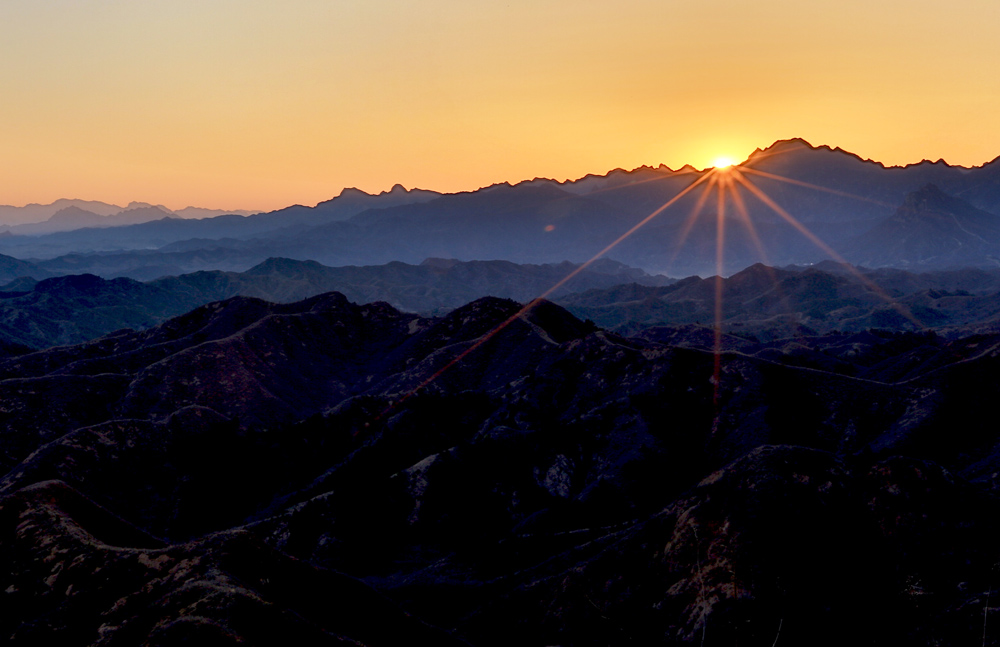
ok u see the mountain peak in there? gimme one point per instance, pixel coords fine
(926, 162)
(929, 196)
(930, 203)
(280, 265)
(931, 199)
(931, 229)
(397, 190)
(790, 144)
(782, 146)
(132, 206)
(352, 191)
(144, 214)
(440, 263)
(74, 214)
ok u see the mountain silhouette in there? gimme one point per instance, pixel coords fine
(932, 230)
(356, 423)
(233, 472)
(79, 307)
(838, 196)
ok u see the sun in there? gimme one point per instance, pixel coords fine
(722, 162)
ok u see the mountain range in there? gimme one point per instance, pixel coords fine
(939, 216)
(428, 418)
(34, 213)
(251, 471)
(759, 303)
(76, 308)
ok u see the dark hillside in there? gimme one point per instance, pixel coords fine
(512, 476)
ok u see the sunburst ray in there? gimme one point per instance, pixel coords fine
(816, 240)
(691, 218)
(815, 187)
(531, 304)
(720, 245)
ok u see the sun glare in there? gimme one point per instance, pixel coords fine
(728, 183)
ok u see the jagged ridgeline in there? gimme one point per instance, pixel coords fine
(925, 216)
(760, 303)
(76, 308)
(256, 472)
(340, 425)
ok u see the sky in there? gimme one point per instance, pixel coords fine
(258, 104)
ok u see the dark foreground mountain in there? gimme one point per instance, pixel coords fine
(510, 476)
(221, 590)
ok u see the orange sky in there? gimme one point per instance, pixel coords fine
(259, 104)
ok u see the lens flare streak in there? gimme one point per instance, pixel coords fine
(744, 215)
(531, 304)
(720, 244)
(724, 179)
(692, 217)
(815, 187)
(874, 287)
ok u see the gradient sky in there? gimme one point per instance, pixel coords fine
(260, 104)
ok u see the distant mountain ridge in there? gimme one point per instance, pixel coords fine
(75, 308)
(838, 196)
(351, 202)
(931, 229)
(73, 218)
(767, 303)
(212, 231)
(759, 303)
(16, 218)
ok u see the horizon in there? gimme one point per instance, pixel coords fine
(138, 202)
(524, 323)
(236, 105)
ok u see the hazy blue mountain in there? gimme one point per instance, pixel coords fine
(145, 265)
(75, 308)
(932, 230)
(63, 220)
(22, 284)
(349, 203)
(158, 233)
(838, 197)
(10, 215)
(73, 218)
(12, 268)
(37, 213)
(766, 303)
(868, 184)
(759, 303)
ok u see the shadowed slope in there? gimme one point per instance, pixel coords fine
(932, 230)
(76, 575)
(558, 485)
